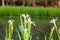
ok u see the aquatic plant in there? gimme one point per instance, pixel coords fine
(9, 30)
(53, 21)
(25, 27)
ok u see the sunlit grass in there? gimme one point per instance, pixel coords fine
(36, 11)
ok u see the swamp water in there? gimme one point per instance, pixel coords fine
(41, 30)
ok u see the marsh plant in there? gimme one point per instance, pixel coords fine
(9, 30)
(53, 21)
(25, 27)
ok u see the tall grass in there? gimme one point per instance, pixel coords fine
(33, 11)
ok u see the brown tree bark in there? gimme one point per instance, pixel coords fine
(23, 2)
(46, 2)
(33, 3)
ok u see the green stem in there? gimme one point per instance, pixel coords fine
(45, 37)
(24, 28)
(29, 28)
(19, 36)
(9, 32)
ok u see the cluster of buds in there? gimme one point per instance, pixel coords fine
(10, 21)
(53, 20)
(28, 19)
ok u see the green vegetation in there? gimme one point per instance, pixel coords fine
(9, 30)
(24, 29)
(39, 21)
(55, 28)
(33, 11)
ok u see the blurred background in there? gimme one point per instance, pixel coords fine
(30, 2)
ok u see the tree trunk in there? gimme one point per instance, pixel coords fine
(33, 3)
(59, 3)
(23, 2)
(2, 2)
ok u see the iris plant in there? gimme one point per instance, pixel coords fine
(53, 21)
(25, 27)
(9, 30)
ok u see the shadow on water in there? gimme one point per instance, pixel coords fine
(42, 28)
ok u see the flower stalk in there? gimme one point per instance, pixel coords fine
(9, 30)
(25, 27)
(53, 21)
